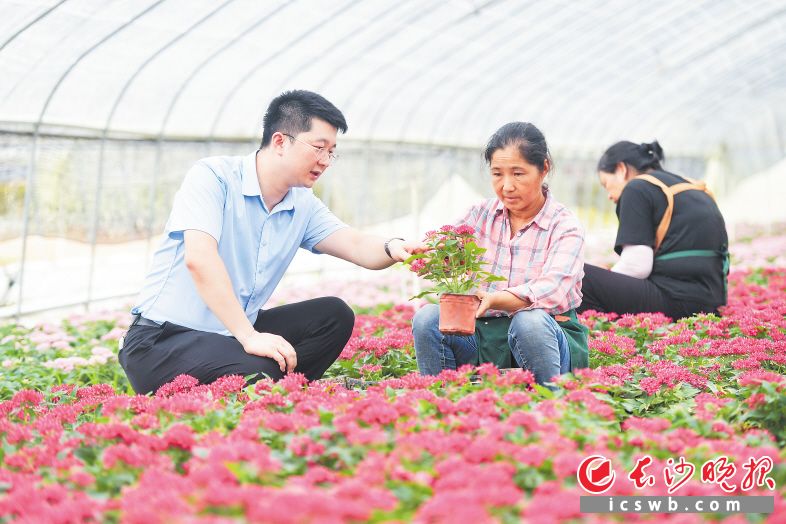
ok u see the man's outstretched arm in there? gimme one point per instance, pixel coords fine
(366, 250)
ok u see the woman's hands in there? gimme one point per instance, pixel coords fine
(500, 300)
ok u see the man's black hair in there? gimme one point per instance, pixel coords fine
(291, 113)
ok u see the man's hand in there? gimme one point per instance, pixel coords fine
(366, 250)
(401, 250)
(499, 300)
(271, 346)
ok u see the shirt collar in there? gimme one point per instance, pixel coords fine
(543, 219)
(250, 183)
(287, 203)
(248, 174)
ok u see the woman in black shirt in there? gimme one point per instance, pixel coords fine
(671, 240)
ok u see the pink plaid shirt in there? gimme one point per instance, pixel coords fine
(543, 262)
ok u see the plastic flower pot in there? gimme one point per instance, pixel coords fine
(457, 313)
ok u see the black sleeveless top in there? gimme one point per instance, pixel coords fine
(696, 223)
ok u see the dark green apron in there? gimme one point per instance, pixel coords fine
(723, 253)
(492, 337)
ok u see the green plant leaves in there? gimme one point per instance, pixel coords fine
(454, 262)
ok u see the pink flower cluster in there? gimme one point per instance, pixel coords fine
(469, 445)
(379, 334)
(612, 344)
(294, 452)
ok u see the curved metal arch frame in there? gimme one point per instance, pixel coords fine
(599, 108)
(510, 82)
(779, 73)
(343, 40)
(464, 88)
(31, 24)
(105, 130)
(690, 107)
(385, 100)
(422, 96)
(431, 141)
(742, 31)
(334, 73)
(196, 70)
(578, 74)
(34, 64)
(272, 56)
(697, 108)
(152, 57)
(537, 72)
(349, 102)
(29, 188)
(683, 107)
(215, 54)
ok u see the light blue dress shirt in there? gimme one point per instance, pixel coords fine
(221, 196)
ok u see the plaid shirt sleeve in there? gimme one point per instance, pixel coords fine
(558, 287)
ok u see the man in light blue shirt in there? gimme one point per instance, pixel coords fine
(235, 226)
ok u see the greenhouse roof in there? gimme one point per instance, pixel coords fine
(694, 73)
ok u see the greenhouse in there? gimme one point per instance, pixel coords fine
(107, 105)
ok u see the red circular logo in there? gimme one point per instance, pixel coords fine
(595, 474)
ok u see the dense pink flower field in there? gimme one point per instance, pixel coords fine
(473, 445)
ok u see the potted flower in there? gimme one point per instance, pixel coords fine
(453, 262)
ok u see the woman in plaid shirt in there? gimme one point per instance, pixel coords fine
(533, 241)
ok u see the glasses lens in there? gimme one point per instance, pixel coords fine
(324, 154)
(321, 153)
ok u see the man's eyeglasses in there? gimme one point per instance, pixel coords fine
(321, 153)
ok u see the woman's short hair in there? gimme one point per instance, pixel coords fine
(642, 157)
(529, 140)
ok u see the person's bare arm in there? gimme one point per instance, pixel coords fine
(365, 250)
(215, 287)
(501, 301)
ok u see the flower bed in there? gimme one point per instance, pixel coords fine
(472, 445)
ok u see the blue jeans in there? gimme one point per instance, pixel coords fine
(536, 342)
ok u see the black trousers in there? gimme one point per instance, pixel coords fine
(611, 292)
(318, 329)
